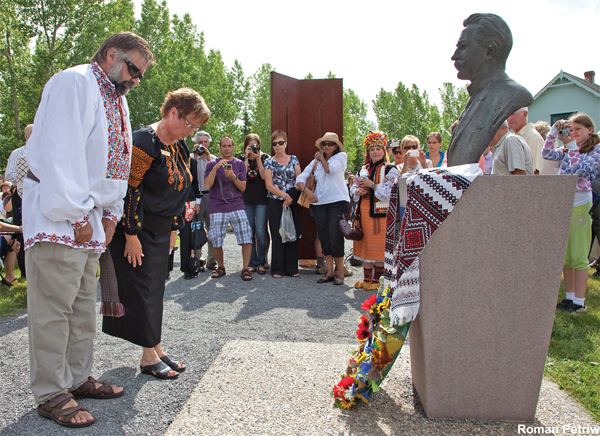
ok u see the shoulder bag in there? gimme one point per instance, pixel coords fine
(303, 200)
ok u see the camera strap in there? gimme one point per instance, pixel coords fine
(222, 194)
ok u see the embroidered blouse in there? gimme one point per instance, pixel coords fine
(384, 175)
(160, 180)
(585, 165)
(80, 153)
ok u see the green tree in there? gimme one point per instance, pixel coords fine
(454, 100)
(260, 104)
(406, 112)
(15, 60)
(356, 126)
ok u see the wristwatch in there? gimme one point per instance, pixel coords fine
(234, 180)
(374, 187)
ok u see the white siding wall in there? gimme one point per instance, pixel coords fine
(565, 98)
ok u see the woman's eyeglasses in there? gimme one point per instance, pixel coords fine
(134, 71)
(190, 125)
(275, 143)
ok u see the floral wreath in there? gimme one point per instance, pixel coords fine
(380, 344)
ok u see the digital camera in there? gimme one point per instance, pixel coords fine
(227, 166)
(200, 150)
(255, 149)
(565, 132)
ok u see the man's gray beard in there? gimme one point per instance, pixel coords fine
(116, 77)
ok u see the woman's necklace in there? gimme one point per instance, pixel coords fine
(162, 133)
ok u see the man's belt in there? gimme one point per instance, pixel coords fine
(32, 176)
(204, 192)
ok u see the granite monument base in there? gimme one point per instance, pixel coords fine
(490, 277)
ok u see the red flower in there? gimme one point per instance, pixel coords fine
(364, 322)
(362, 334)
(369, 302)
(340, 389)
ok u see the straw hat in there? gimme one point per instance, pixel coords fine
(329, 137)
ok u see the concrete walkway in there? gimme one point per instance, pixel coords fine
(262, 357)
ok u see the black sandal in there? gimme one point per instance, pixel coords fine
(326, 279)
(159, 370)
(175, 366)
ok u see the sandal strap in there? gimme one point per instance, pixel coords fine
(89, 388)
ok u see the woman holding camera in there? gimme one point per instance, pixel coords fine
(580, 155)
(280, 175)
(255, 199)
(329, 201)
(372, 190)
(414, 158)
(159, 184)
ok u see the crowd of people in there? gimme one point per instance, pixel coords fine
(128, 194)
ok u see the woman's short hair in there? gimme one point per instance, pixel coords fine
(407, 140)
(187, 102)
(278, 134)
(125, 42)
(586, 121)
(543, 128)
(251, 137)
(436, 135)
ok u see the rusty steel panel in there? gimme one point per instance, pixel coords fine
(306, 110)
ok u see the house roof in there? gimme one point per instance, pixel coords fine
(582, 83)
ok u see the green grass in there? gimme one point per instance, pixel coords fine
(574, 355)
(13, 298)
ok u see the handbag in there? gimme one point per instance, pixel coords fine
(350, 223)
(198, 233)
(310, 184)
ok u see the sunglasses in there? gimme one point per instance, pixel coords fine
(327, 144)
(134, 71)
(190, 125)
(412, 147)
(275, 143)
(397, 151)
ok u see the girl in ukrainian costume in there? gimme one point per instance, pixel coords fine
(372, 189)
(159, 184)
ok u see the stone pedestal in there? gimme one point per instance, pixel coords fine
(490, 277)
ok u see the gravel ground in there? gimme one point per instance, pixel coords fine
(261, 359)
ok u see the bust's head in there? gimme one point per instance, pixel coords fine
(484, 45)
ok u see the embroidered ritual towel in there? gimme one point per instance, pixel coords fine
(432, 195)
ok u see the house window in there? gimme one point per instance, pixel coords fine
(564, 116)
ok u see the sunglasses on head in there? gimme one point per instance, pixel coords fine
(275, 143)
(134, 71)
(411, 147)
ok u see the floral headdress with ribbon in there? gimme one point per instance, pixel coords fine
(374, 139)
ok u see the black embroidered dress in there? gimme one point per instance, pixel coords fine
(159, 184)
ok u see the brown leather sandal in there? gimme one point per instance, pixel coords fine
(89, 390)
(246, 275)
(218, 273)
(54, 409)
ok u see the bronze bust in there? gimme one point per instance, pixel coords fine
(480, 57)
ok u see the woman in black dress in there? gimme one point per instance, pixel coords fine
(159, 184)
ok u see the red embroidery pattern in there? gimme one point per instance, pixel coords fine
(140, 162)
